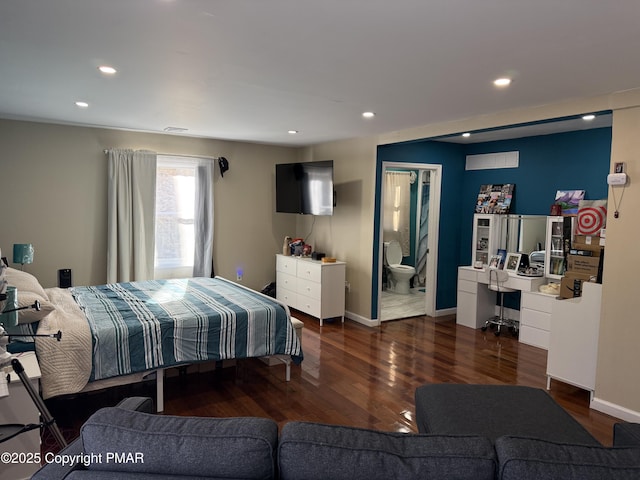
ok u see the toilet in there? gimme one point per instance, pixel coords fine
(400, 274)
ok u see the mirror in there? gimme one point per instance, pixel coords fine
(524, 234)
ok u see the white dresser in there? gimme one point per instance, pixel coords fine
(311, 286)
(535, 318)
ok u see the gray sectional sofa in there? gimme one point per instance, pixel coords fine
(126, 444)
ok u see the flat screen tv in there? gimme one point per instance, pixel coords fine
(305, 188)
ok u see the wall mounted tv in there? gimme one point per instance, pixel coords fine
(305, 187)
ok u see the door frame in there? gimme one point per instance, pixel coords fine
(433, 229)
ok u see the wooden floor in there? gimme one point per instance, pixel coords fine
(355, 375)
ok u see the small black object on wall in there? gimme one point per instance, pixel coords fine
(64, 278)
(223, 163)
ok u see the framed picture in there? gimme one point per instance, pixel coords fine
(513, 262)
(495, 261)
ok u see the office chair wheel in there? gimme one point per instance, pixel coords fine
(483, 328)
(497, 333)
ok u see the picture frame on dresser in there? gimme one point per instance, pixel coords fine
(495, 261)
(513, 262)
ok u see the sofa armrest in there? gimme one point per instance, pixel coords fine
(626, 435)
(528, 458)
(138, 404)
(55, 470)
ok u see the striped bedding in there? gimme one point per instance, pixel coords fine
(139, 326)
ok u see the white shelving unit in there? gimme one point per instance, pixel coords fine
(486, 235)
(554, 252)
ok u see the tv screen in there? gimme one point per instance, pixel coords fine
(305, 188)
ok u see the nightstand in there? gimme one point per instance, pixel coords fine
(19, 408)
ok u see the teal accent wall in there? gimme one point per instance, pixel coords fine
(547, 163)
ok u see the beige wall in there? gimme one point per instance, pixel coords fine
(348, 233)
(54, 195)
(617, 380)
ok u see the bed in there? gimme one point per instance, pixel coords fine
(124, 332)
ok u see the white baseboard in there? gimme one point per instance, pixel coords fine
(446, 311)
(614, 410)
(363, 320)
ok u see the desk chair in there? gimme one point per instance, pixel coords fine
(495, 282)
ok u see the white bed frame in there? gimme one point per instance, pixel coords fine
(159, 373)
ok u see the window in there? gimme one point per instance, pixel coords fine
(175, 216)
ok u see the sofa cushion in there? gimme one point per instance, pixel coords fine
(494, 411)
(526, 458)
(318, 452)
(168, 445)
(626, 435)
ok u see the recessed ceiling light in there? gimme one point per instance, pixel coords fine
(82, 104)
(292, 132)
(368, 114)
(502, 82)
(175, 129)
(466, 134)
(588, 117)
(107, 69)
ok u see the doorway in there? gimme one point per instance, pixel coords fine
(421, 298)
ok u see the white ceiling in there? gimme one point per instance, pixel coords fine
(251, 70)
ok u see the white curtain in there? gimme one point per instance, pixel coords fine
(203, 254)
(131, 215)
(396, 226)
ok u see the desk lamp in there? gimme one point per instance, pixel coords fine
(23, 253)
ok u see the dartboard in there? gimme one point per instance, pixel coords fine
(591, 220)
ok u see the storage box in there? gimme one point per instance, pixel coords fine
(589, 240)
(582, 264)
(594, 248)
(571, 284)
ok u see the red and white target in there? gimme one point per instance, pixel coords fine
(591, 220)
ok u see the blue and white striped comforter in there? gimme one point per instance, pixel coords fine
(138, 326)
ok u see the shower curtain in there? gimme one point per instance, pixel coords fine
(423, 232)
(396, 209)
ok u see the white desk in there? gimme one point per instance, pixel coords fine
(476, 303)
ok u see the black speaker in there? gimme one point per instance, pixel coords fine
(64, 278)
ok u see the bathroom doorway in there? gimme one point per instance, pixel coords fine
(418, 241)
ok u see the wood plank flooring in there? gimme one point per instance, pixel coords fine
(355, 375)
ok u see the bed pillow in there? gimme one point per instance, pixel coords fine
(29, 290)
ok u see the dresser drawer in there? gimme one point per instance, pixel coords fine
(470, 275)
(308, 305)
(309, 271)
(467, 286)
(286, 264)
(534, 336)
(286, 296)
(534, 318)
(309, 288)
(537, 301)
(286, 281)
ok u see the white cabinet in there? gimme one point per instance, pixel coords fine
(486, 235)
(311, 286)
(18, 408)
(573, 341)
(535, 319)
(554, 250)
(476, 303)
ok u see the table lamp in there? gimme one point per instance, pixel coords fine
(22, 253)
